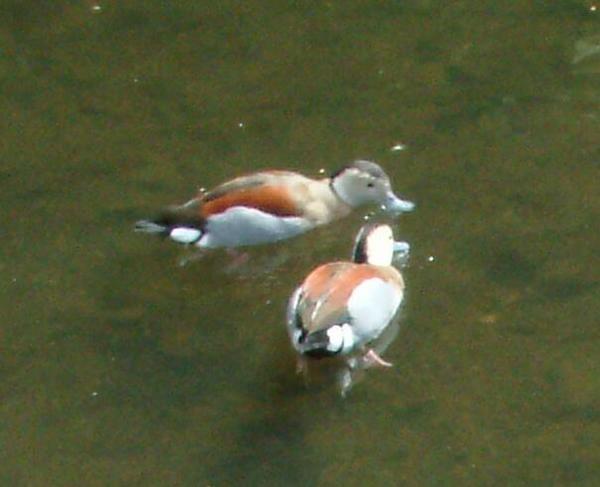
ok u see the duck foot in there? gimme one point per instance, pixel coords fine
(302, 369)
(372, 359)
(190, 257)
(237, 257)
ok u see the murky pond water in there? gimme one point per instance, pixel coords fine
(118, 367)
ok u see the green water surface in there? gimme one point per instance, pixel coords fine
(119, 368)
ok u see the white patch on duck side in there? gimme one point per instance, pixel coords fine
(371, 306)
(240, 226)
(341, 338)
(185, 235)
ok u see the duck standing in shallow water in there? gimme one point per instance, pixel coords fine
(342, 307)
(274, 205)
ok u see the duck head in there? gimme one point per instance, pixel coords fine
(375, 245)
(364, 182)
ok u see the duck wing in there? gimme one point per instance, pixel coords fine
(267, 191)
(361, 295)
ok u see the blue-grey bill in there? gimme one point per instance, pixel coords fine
(394, 204)
(401, 247)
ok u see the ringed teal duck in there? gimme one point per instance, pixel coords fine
(274, 205)
(341, 307)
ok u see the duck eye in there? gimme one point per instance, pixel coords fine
(370, 185)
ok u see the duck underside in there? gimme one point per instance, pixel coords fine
(236, 227)
(241, 226)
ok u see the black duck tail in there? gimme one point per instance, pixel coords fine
(181, 223)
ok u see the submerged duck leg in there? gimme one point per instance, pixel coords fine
(301, 366)
(302, 369)
(191, 256)
(345, 380)
(237, 259)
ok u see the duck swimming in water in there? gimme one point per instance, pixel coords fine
(342, 307)
(274, 205)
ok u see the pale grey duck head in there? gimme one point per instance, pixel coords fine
(364, 182)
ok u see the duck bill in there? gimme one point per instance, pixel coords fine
(393, 204)
(401, 247)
